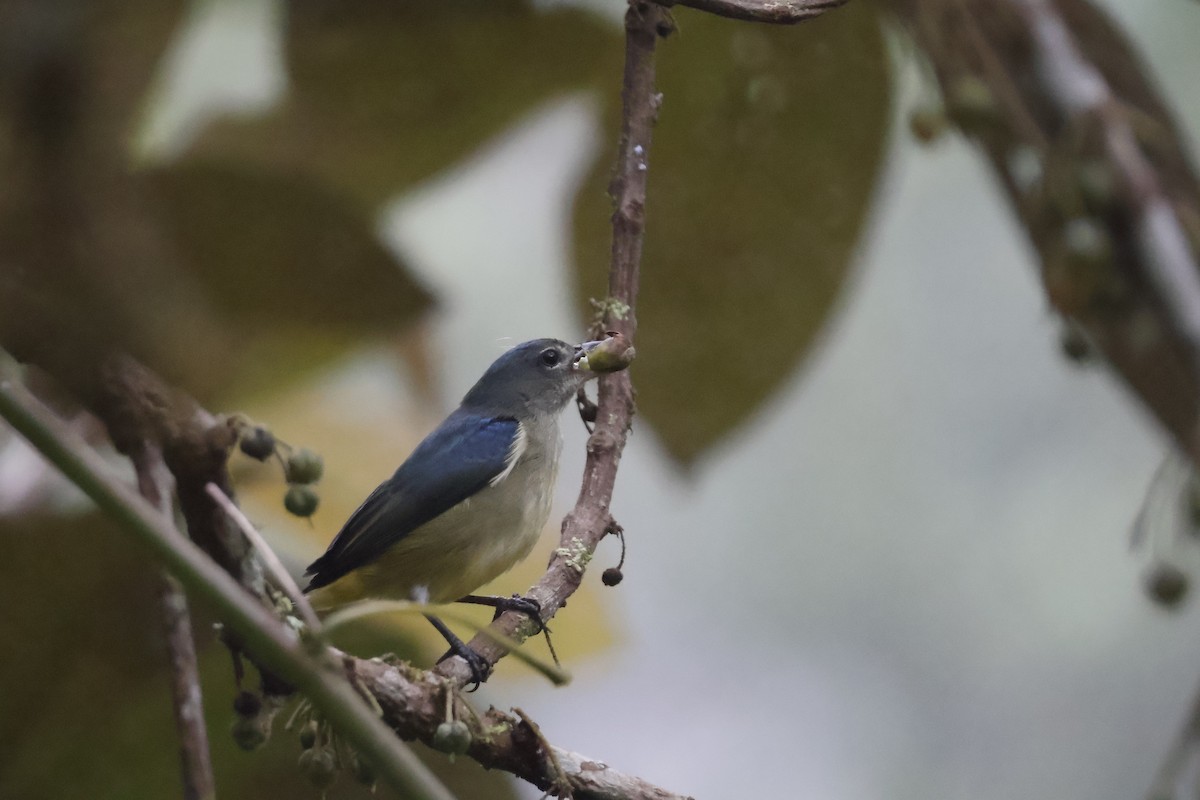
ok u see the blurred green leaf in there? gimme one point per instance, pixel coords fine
(296, 269)
(385, 94)
(764, 159)
(273, 249)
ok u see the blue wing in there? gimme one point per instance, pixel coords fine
(454, 462)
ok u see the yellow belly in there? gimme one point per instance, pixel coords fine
(457, 552)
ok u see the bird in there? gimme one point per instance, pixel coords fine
(468, 503)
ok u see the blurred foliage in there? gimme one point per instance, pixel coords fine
(85, 712)
(285, 261)
(382, 95)
(73, 239)
(761, 173)
(250, 262)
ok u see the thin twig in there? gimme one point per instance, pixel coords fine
(194, 755)
(587, 523)
(778, 12)
(155, 484)
(271, 563)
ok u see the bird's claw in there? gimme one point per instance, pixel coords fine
(479, 666)
(522, 605)
(481, 670)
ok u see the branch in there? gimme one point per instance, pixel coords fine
(137, 406)
(590, 520)
(265, 637)
(154, 482)
(778, 12)
(1081, 144)
(271, 563)
(1078, 89)
(413, 704)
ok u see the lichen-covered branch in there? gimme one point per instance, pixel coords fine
(413, 704)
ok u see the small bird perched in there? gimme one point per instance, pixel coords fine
(471, 500)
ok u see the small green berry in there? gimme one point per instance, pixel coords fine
(258, 443)
(304, 466)
(301, 500)
(248, 733)
(1097, 185)
(1088, 244)
(1167, 585)
(1075, 344)
(613, 353)
(452, 737)
(318, 767)
(363, 773)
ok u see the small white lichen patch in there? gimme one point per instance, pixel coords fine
(576, 554)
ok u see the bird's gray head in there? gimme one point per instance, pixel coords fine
(539, 376)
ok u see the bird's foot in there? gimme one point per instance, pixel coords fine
(481, 670)
(479, 666)
(522, 605)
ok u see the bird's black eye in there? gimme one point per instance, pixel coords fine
(550, 357)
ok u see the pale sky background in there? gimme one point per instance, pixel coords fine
(908, 575)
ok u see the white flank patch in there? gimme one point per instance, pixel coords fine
(520, 442)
